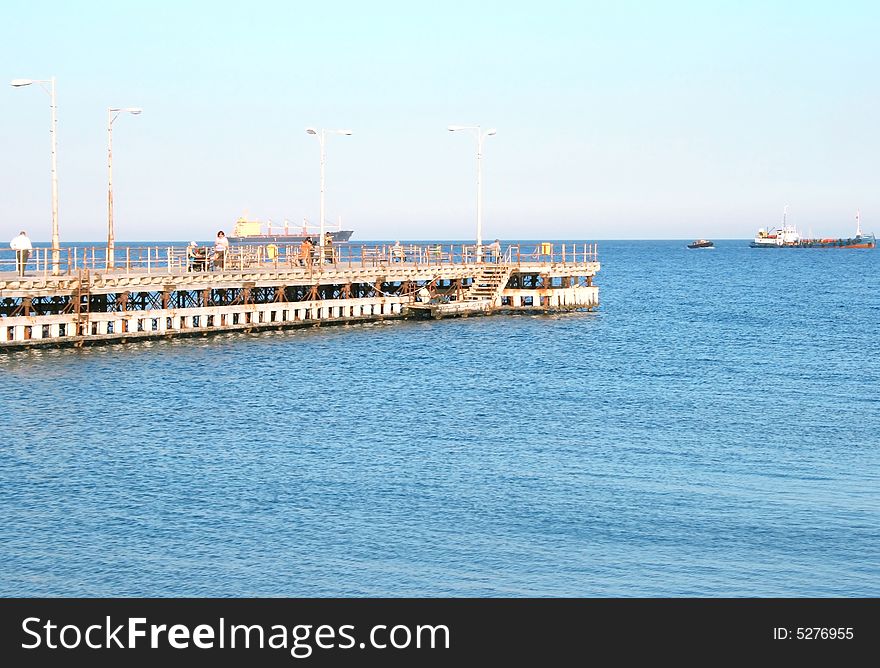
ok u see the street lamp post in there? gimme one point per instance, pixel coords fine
(480, 137)
(321, 135)
(18, 83)
(112, 115)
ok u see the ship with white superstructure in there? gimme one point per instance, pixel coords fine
(787, 236)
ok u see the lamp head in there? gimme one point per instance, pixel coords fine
(491, 132)
(18, 83)
(311, 131)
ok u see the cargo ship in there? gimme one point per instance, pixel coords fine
(787, 236)
(251, 231)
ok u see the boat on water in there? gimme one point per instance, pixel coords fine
(701, 243)
(787, 236)
(251, 231)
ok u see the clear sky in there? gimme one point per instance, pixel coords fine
(615, 119)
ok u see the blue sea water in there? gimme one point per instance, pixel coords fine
(712, 430)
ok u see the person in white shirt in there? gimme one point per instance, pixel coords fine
(495, 251)
(22, 247)
(397, 254)
(221, 246)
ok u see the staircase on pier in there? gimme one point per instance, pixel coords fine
(82, 303)
(489, 283)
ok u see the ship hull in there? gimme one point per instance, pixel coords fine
(340, 236)
(856, 242)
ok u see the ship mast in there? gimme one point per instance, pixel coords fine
(858, 222)
(784, 234)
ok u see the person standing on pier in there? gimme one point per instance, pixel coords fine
(221, 247)
(495, 251)
(328, 248)
(22, 247)
(305, 253)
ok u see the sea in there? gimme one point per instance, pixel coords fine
(712, 430)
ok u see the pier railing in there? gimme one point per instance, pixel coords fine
(177, 259)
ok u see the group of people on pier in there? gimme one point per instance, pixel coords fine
(202, 258)
(490, 253)
(198, 256)
(309, 253)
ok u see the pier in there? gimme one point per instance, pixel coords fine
(153, 292)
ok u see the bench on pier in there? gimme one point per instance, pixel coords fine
(243, 259)
(436, 254)
(372, 257)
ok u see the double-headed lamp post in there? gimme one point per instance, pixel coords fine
(112, 115)
(18, 83)
(480, 137)
(321, 135)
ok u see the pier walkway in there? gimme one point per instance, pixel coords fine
(157, 292)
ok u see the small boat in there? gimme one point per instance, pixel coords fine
(787, 236)
(701, 243)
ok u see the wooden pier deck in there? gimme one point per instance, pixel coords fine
(157, 293)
